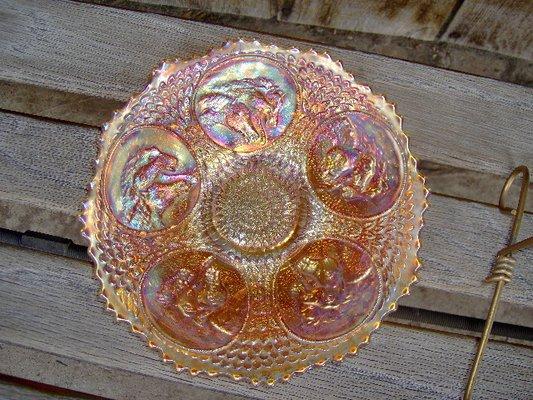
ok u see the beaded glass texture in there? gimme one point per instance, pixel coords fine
(254, 212)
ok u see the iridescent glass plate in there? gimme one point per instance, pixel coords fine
(255, 212)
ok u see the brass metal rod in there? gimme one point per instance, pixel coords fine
(502, 270)
(517, 246)
(524, 171)
(484, 339)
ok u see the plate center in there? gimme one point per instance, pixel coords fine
(256, 210)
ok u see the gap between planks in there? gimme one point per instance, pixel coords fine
(48, 165)
(52, 327)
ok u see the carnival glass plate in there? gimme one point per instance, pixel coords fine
(254, 212)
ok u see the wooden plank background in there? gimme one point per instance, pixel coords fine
(46, 196)
(65, 66)
(453, 119)
(502, 26)
(17, 389)
(49, 306)
(499, 26)
(412, 18)
(482, 37)
(252, 8)
(473, 142)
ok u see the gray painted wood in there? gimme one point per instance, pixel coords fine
(452, 119)
(502, 26)
(51, 322)
(46, 166)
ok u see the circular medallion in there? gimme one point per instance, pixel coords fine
(327, 289)
(152, 179)
(355, 165)
(245, 103)
(254, 212)
(195, 299)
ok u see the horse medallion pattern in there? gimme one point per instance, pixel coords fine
(254, 212)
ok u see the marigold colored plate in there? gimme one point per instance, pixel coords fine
(255, 212)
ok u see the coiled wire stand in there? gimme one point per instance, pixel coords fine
(502, 271)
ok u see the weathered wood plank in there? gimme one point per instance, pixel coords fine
(38, 101)
(46, 166)
(252, 8)
(14, 392)
(48, 194)
(64, 106)
(411, 18)
(503, 26)
(469, 185)
(11, 389)
(461, 182)
(50, 312)
(453, 119)
(439, 54)
(82, 373)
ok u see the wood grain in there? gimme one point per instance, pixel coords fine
(503, 26)
(436, 53)
(469, 185)
(17, 389)
(500, 27)
(47, 165)
(55, 104)
(411, 18)
(50, 312)
(443, 179)
(14, 392)
(453, 119)
(251, 8)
